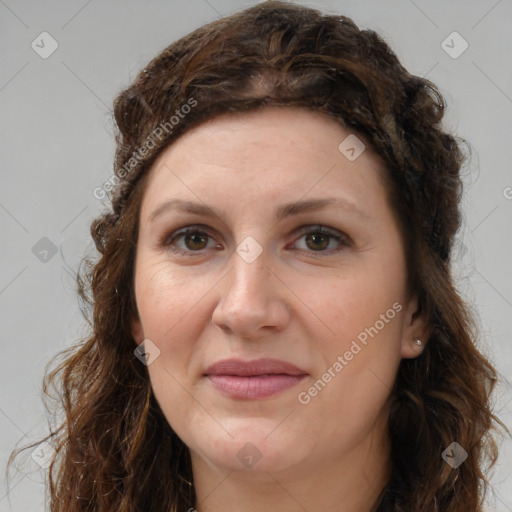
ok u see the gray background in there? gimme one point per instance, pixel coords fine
(57, 147)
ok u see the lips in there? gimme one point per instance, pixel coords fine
(260, 378)
(265, 366)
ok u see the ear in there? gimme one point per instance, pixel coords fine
(137, 330)
(414, 327)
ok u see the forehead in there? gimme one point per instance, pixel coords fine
(263, 154)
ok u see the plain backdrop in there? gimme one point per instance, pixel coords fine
(57, 146)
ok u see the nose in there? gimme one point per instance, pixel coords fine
(253, 299)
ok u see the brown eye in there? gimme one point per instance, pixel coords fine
(195, 240)
(318, 238)
(188, 241)
(317, 241)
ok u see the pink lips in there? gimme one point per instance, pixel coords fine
(260, 378)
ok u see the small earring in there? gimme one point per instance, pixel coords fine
(418, 341)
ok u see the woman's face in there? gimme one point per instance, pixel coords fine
(258, 280)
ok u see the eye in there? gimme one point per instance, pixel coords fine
(193, 238)
(317, 238)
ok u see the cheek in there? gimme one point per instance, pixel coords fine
(170, 312)
(362, 317)
(165, 310)
(344, 306)
(168, 302)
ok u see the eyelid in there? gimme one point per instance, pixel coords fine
(169, 236)
(342, 238)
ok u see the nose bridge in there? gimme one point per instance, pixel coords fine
(249, 297)
(249, 275)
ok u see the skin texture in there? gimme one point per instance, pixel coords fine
(300, 300)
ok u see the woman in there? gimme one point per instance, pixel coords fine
(274, 323)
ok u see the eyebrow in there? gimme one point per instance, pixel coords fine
(285, 210)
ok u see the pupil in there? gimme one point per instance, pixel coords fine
(315, 239)
(194, 237)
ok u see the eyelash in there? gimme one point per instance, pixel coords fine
(342, 239)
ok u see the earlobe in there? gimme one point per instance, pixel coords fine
(415, 332)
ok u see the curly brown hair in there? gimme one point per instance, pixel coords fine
(115, 449)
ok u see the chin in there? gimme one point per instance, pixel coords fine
(248, 457)
(256, 445)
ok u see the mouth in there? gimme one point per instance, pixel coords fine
(249, 380)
